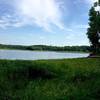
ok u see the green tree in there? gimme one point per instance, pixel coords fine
(94, 28)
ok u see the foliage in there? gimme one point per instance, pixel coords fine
(94, 29)
(71, 79)
(45, 47)
(2, 46)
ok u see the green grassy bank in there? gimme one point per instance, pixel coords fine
(70, 79)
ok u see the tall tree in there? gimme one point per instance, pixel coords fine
(94, 28)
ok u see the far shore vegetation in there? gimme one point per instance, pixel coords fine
(47, 48)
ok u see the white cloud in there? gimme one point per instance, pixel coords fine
(81, 26)
(97, 8)
(43, 13)
(91, 1)
(10, 21)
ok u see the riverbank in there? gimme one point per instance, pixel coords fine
(67, 79)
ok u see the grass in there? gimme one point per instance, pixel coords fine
(67, 79)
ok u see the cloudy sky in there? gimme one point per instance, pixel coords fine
(48, 22)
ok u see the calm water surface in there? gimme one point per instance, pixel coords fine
(36, 55)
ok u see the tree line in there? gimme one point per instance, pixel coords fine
(47, 48)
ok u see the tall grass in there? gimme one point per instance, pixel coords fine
(71, 79)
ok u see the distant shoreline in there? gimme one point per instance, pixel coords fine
(46, 48)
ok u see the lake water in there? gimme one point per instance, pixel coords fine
(36, 55)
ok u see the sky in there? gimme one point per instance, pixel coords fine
(44, 22)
